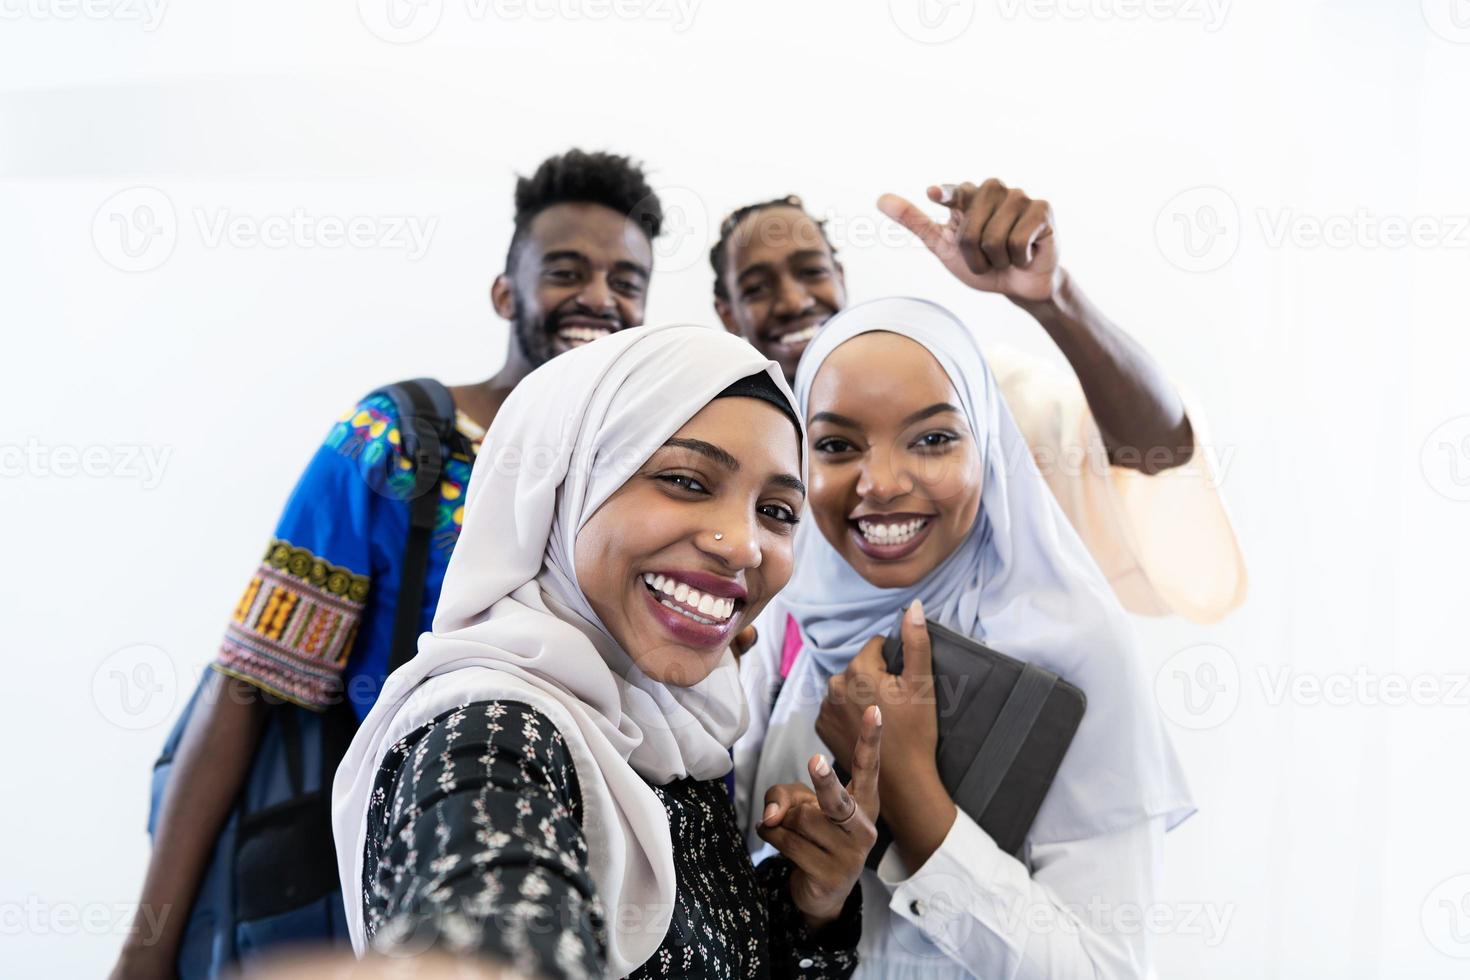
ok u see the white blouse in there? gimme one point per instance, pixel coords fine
(1080, 908)
(1074, 909)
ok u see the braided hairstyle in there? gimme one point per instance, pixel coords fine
(719, 253)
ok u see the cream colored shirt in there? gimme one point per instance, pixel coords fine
(1164, 542)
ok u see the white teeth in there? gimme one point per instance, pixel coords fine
(582, 333)
(692, 600)
(800, 336)
(889, 533)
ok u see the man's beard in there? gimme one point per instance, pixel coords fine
(537, 338)
(532, 337)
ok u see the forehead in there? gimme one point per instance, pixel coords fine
(879, 375)
(752, 430)
(594, 230)
(773, 234)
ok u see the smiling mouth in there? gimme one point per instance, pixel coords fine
(577, 335)
(696, 606)
(799, 338)
(890, 536)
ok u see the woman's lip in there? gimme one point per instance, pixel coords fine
(714, 585)
(685, 631)
(890, 552)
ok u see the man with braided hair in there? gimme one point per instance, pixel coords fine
(1114, 443)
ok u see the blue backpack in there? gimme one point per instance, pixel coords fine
(272, 878)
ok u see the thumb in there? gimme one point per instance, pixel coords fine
(917, 658)
(742, 642)
(906, 213)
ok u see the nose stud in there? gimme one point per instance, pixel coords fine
(719, 536)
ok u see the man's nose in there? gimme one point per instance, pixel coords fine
(791, 297)
(597, 294)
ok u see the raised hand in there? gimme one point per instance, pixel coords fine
(827, 834)
(996, 238)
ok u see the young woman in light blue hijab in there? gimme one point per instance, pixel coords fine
(924, 497)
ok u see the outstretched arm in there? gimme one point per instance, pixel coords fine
(998, 239)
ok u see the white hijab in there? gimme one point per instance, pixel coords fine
(512, 621)
(1022, 583)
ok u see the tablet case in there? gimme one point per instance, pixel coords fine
(1004, 727)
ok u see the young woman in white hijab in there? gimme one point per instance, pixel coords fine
(542, 783)
(924, 498)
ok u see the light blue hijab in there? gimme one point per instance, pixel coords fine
(1022, 582)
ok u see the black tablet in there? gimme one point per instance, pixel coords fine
(1004, 727)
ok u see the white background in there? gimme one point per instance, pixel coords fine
(1330, 835)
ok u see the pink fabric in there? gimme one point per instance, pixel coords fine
(791, 647)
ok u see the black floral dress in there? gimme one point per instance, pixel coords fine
(475, 845)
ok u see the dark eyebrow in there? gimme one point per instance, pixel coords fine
(835, 419)
(628, 265)
(708, 449)
(732, 464)
(789, 482)
(764, 268)
(936, 409)
(563, 255)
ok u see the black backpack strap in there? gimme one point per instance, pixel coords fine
(426, 423)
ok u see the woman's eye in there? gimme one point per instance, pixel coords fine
(780, 512)
(832, 444)
(934, 440)
(686, 482)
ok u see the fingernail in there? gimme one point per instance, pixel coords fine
(877, 716)
(822, 767)
(771, 809)
(915, 612)
(946, 193)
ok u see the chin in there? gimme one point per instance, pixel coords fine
(889, 575)
(679, 668)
